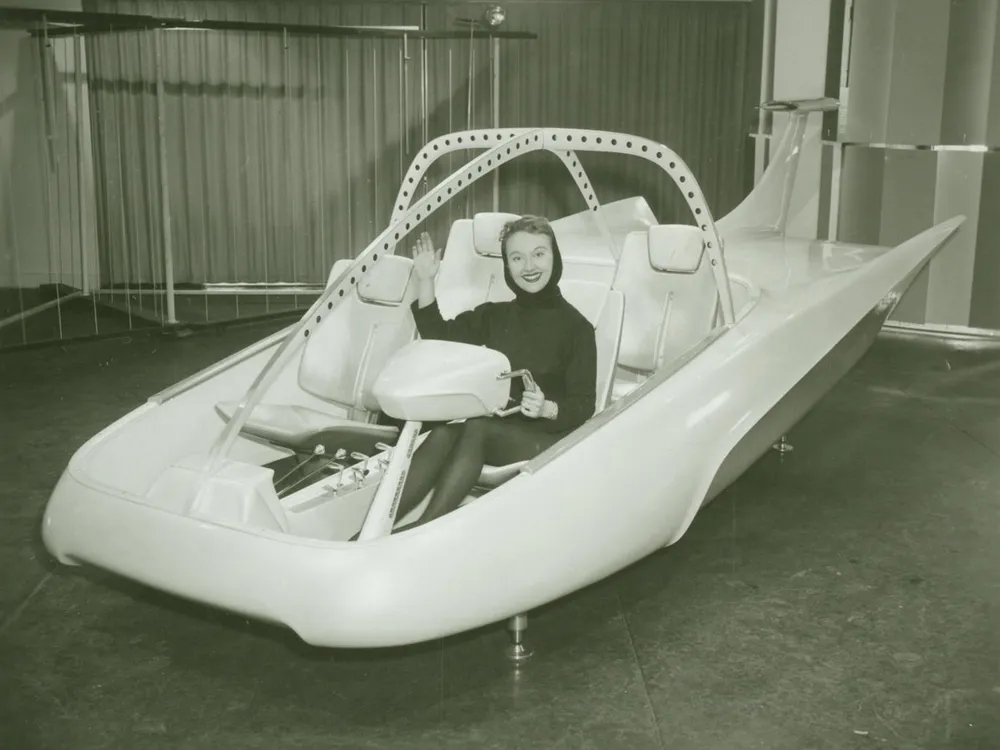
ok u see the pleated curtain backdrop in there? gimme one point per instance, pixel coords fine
(284, 154)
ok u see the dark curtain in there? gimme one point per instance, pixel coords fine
(675, 72)
(285, 154)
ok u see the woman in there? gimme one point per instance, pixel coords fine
(539, 331)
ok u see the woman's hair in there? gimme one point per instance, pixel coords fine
(530, 224)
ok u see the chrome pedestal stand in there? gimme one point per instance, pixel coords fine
(517, 652)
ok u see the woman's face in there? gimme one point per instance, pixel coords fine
(529, 257)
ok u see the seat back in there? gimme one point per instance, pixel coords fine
(672, 300)
(344, 355)
(608, 333)
(605, 309)
(338, 268)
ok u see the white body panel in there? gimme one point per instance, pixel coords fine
(437, 381)
(564, 521)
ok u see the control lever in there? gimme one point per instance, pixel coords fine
(327, 465)
(529, 385)
(339, 468)
(318, 450)
(383, 461)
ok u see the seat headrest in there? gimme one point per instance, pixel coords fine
(486, 232)
(675, 248)
(387, 281)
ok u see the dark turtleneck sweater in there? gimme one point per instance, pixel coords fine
(548, 337)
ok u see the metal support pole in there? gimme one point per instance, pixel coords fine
(495, 65)
(378, 176)
(119, 119)
(168, 256)
(44, 97)
(348, 150)
(762, 146)
(423, 85)
(404, 96)
(15, 254)
(321, 133)
(468, 111)
(286, 176)
(81, 227)
(838, 147)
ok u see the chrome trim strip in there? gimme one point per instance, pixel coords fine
(215, 292)
(974, 148)
(971, 148)
(941, 331)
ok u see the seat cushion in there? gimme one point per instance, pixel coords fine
(300, 428)
(494, 476)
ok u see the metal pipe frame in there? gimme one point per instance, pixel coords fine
(509, 144)
(161, 148)
(764, 121)
(25, 314)
(85, 22)
(304, 289)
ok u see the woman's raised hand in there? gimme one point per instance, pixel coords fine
(426, 260)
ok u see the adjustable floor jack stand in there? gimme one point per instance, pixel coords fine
(517, 652)
(783, 446)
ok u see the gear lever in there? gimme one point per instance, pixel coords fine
(529, 385)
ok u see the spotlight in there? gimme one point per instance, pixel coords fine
(494, 15)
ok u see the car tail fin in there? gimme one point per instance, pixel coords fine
(768, 205)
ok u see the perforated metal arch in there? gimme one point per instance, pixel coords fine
(680, 173)
(508, 145)
(564, 142)
(448, 144)
(472, 139)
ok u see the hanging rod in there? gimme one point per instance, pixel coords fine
(52, 23)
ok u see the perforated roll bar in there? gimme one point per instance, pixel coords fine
(507, 144)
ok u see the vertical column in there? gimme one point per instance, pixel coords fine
(984, 303)
(921, 91)
(972, 27)
(801, 46)
(983, 226)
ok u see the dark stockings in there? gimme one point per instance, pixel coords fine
(427, 462)
(452, 457)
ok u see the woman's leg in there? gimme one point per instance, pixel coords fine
(459, 476)
(484, 439)
(513, 440)
(425, 466)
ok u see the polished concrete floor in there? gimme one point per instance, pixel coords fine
(846, 595)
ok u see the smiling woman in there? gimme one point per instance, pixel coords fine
(538, 331)
(531, 249)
